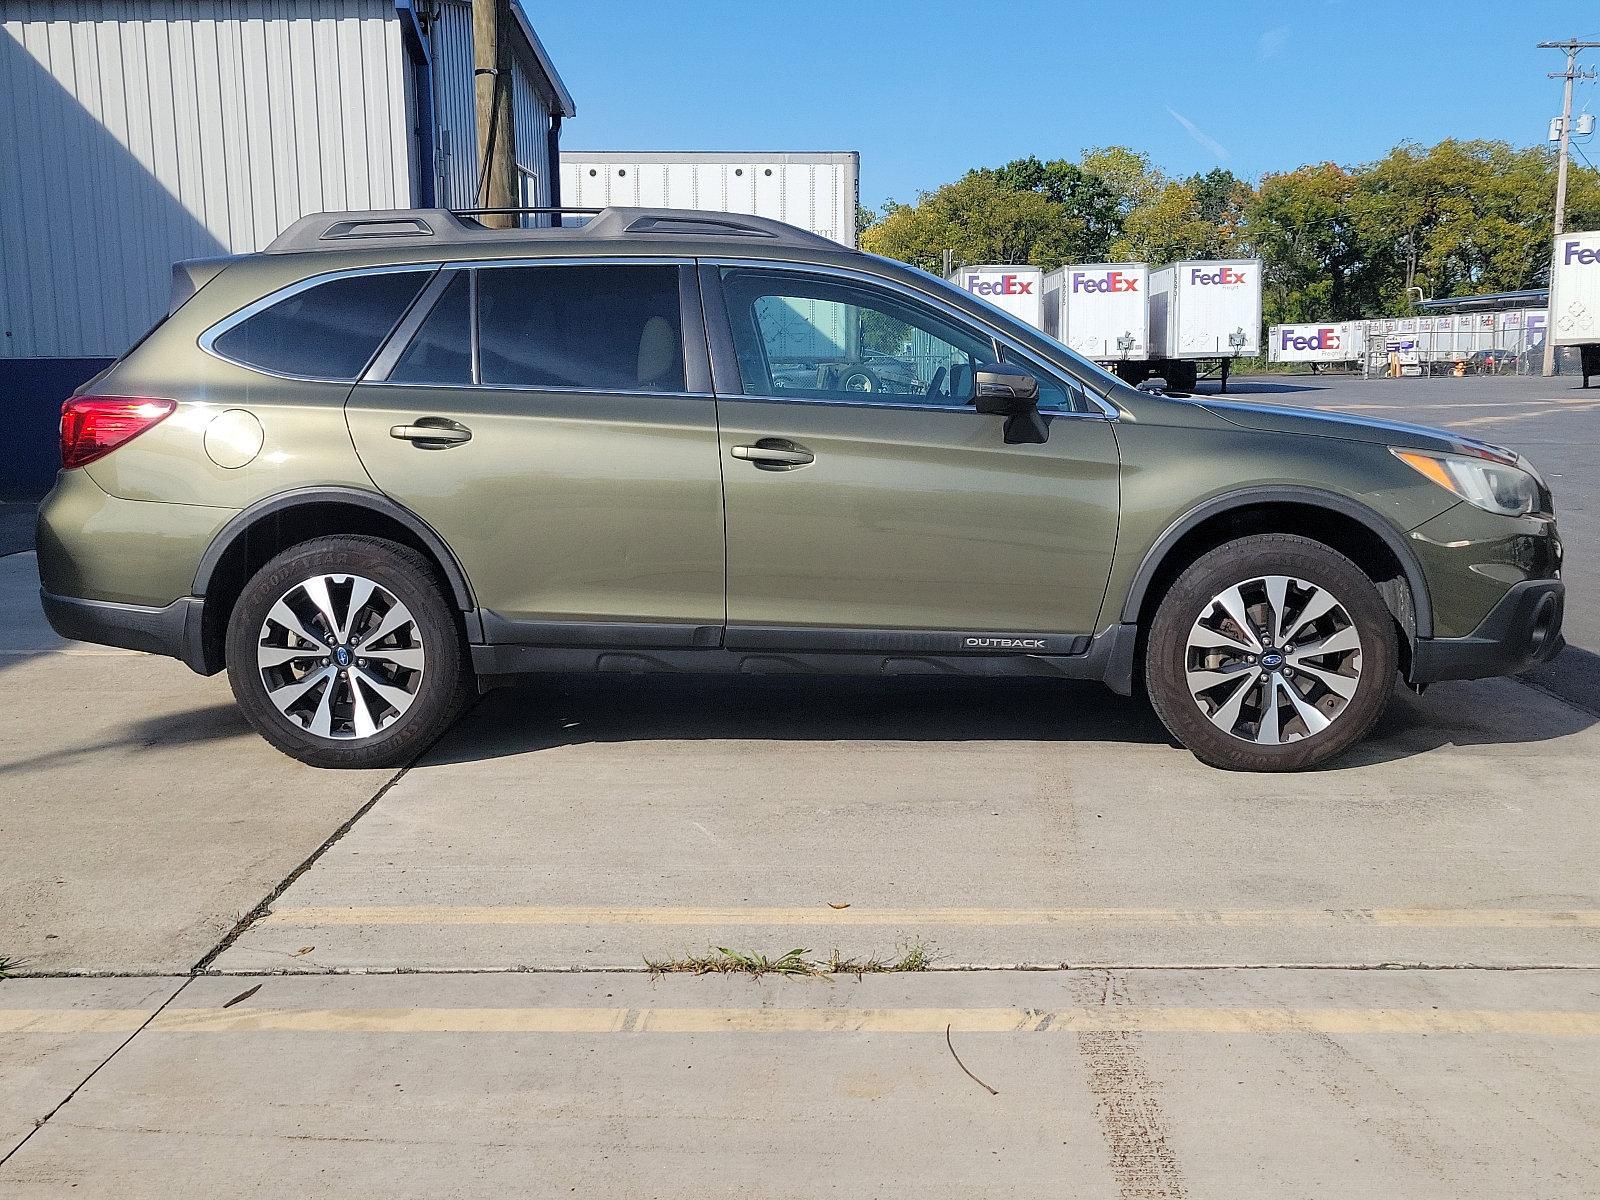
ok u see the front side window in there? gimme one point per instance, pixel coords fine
(817, 338)
(327, 331)
(608, 327)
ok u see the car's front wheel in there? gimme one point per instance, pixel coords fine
(1271, 653)
(343, 652)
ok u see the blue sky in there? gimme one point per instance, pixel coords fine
(926, 90)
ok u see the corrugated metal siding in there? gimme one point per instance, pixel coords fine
(455, 105)
(530, 115)
(134, 133)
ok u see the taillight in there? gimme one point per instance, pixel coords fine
(93, 426)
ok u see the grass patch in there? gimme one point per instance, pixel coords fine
(7, 965)
(720, 960)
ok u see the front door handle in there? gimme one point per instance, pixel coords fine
(432, 433)
(774, 454)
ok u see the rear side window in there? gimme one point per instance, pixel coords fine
(441, 351)
(328, 331)
(604, 327)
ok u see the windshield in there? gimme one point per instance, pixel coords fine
(1091, 371)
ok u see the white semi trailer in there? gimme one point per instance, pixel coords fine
(1019, 290)
(1325, 342)
(1202, 311)
(816, 191)
(1575, 290)
(1100, 310)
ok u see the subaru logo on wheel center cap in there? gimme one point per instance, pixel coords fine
(342, 656)
(1272, 660)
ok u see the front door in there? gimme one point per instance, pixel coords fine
(865, 494)
(548, 423)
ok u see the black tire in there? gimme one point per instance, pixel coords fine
(1183, 375)
(1168, 651)
(441, 688)
(870, 382)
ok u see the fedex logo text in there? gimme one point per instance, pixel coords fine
(1575, 253)
(1111, 281)
(1322, 339)
(1006, 285)
(1225, 276)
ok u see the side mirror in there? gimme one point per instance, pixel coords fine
(1005, 393)
(1014, 395)
(1155, 384)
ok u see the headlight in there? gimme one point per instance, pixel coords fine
(1491, 483)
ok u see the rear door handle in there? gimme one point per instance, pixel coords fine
(432, 433)
(774, 454)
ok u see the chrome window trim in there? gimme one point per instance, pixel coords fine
(207, 339)
(1108, 411)
(537, 391)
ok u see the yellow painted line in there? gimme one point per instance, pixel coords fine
(1503, 1022)
(823, 915)
(71, 1020)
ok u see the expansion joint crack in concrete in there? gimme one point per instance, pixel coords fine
(40, 1122)
(261, 909)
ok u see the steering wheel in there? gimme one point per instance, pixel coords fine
(933, 384)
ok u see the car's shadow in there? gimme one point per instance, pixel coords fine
(577, 710)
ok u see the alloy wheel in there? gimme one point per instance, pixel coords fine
(1273, 660)
(340, 656)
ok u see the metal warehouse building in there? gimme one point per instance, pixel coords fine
(135, 133)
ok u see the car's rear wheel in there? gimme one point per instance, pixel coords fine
(1271, 653)
(343, 652)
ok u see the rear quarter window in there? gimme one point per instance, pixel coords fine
(327, 331)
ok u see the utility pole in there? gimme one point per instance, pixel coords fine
(1571, 46)
(497, 154)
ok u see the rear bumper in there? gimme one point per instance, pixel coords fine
(1521, 630)
(173, 630)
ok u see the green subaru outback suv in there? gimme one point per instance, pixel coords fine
(400, 455)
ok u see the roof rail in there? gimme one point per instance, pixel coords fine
(386, 227)
(517, 212)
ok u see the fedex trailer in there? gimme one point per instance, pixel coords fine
(1328, 342)
(819, 191)
(1575, 290)
(1018, 290)
(1203, 311)
(1100, 310)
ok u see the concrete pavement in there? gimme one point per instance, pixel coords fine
(614, 821)
(141, 818)
(1281, 1084)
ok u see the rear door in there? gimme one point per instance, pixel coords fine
(553, 421)
(865, 495)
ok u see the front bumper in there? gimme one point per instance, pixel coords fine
(173, 630)
(1524, 628)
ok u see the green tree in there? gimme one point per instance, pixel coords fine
(1181, 221)
(978, 219)
(1302, 225)
(1092, 210)
(1128, 174)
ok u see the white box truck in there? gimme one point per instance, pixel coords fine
(1203, 311)
(1575, 290)
(816, 191)
(1018, 290)
(1100, 310)
(1317, 342)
